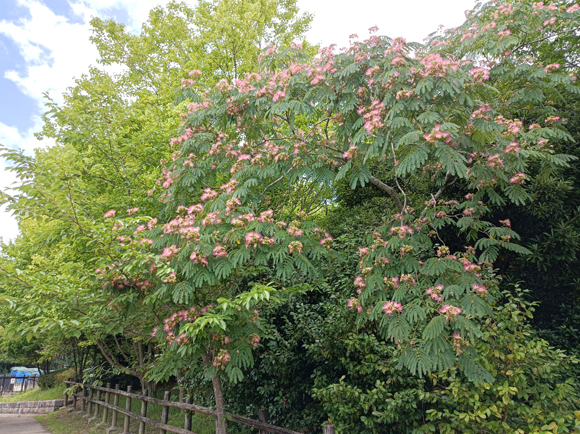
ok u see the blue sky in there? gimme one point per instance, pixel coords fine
(44, 44)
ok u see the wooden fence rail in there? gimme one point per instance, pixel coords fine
(85, 393)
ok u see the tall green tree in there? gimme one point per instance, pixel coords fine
(111, 132)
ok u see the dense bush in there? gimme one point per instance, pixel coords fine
(317, 364)
(55, 378)
(533, 389)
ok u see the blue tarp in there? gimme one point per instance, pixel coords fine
(21, 371)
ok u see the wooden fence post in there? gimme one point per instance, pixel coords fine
(90, 406)
(114, 426)
(328, 429)
(263, 416)
(105, 409)
(143, 412)
(74, 406)
(187, 424)
(165, 412)
(128, 408)
(97, 407)
(83, 400)
(65, 400)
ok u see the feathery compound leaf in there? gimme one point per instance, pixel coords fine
(452, 161)
(415, 159)
(409, 138)
(416, 360)
(435, 328)
(399, 328)
(473, 305)
(433, 267)
(473, 369)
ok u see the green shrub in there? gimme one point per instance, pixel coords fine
(534, 389)
(55, 378)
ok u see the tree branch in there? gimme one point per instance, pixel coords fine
(276, 181)
(445, 185)
(389, 190)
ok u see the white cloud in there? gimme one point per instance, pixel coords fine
(335, 20)
(12, 138)
(137, 10)
(55, 51)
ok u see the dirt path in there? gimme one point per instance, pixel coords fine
(20, 424)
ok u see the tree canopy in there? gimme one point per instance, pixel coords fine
(375, 194)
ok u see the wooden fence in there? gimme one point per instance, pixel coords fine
(12, 384)
(91, 403)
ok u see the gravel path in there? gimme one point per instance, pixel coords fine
(20, 424)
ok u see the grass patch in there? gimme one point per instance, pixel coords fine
(65, 422)
(36, 395)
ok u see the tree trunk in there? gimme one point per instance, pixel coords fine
(221, 426)
(180, 385)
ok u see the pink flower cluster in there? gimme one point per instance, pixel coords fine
(266, 217)
(494, 161)
(208, 194)
(512, 148)
(541, 6)
(553, 119)
(457, 341)
(479, 288)
(513, 126)
(220, 252)
(254, 340)
(353, 304)
(480, 113)
(404, 94)
(391, 307)
(436, 66)
(469, 266)
(359, 283)
(401, 231)
(450, 311)
(253, 239)
(435, 293)
(504, 34)
(230, 186)
(436, 134)
(183, 138)
(373, 117)
(351, 153)
(294, 229)
(295, 246)
(479, 74)
(518, 178)
(507, 223)
(198, 258)
(222, 359)
(169, 325)
(169, 252)
(326, 241)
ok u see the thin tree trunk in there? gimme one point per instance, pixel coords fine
(180, 385)
(221, 424)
